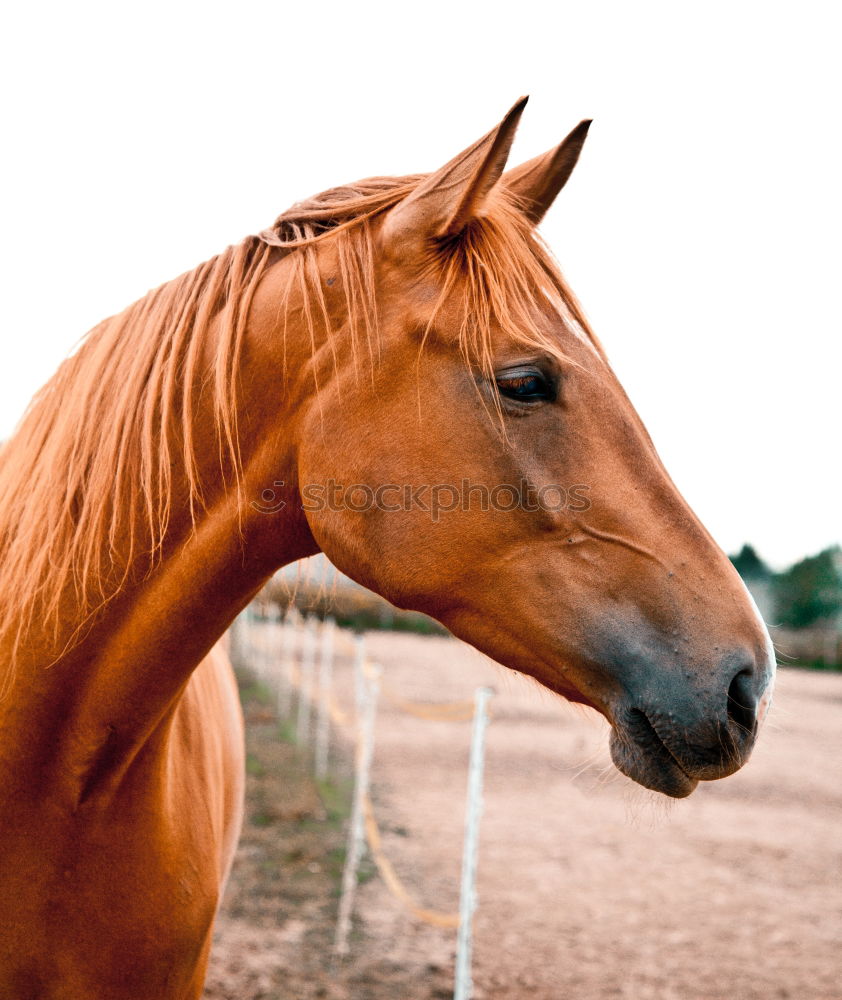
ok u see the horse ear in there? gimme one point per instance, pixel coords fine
(444, 203)
(538, 181)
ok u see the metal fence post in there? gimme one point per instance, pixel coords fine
(473, 811)
(325, 680)
(305, 690)
(368, 690)
(289, 633)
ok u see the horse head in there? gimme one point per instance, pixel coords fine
(464, 448)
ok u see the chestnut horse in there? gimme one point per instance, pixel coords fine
(407, 334)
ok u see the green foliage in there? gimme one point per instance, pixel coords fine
(254, 766)
(335, 795)
(810, 591)
(749, 564)
(802, 603)
(286, 732)
(253, 691)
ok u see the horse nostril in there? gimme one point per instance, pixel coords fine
(742, 702)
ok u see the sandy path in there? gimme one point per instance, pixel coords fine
(589, 886)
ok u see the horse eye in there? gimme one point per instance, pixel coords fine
(525, 386)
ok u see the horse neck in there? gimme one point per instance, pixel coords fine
(126, 674)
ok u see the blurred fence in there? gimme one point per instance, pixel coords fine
(294, 656)
(809, 647)
(351, 606)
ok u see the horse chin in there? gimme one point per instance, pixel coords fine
(649, 763)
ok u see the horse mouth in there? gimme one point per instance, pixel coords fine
(639, 752)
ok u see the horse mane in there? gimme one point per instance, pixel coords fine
(91, 463)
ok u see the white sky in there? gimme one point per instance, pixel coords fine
(701, 229)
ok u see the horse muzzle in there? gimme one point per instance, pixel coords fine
(672, 739)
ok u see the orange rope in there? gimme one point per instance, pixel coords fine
(393, 883)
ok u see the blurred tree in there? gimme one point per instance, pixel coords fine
(810, 591)
(749, 564)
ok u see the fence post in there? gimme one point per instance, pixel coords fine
(305, 689)
(359, 678)
(248, 638)
(243, 636)
(368, 690)
(325, 679)
(289, 632)
(260, 631)
(270, 667)
(235, 640)
(473, 811)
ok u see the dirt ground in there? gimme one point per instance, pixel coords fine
(589, 887)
